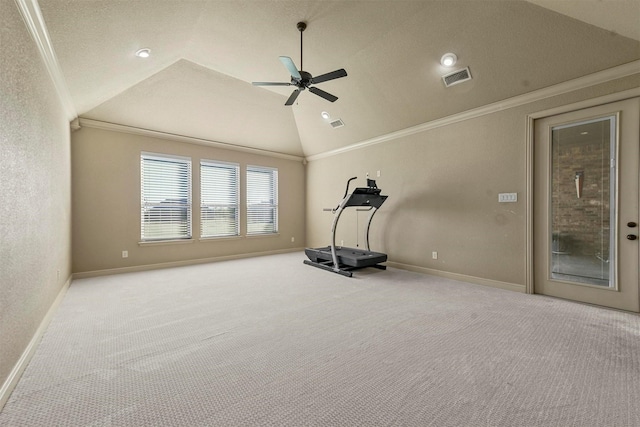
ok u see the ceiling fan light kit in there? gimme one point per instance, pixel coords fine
(302, 79)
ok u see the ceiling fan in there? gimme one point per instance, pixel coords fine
(302, 79)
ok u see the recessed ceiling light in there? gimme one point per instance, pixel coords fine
(325, 115)
(449, 59)
(143, 53)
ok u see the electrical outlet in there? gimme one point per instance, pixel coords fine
(125, 254)
(378, 174)
(341, 242)
(293, 239)
(434, 255)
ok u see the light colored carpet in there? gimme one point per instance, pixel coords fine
(272, 342)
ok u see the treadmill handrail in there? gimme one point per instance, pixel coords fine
(373, 212)
(346, 190)
(334, 256)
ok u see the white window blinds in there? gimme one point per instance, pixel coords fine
(165, 196)
(219, 199)
(262, 200)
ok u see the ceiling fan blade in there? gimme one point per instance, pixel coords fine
(293, 97)
(323, 94)
(329, 76)
(288, 62)
(270, 84)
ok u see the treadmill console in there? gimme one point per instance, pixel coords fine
(371, 188)
(366, 190)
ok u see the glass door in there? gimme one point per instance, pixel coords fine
(586, 196)
(583, 200)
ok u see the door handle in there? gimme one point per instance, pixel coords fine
(632, 224)
(631, 237)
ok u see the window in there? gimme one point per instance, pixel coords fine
(165, 197)
(219, 199)
(262, 200)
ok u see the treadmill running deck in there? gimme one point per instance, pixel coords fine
(351, 257)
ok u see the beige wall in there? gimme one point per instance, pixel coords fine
(443, 187)
(35, 189)
(106, 203)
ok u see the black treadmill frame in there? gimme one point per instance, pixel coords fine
(339, 262)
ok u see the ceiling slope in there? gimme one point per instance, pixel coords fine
(617, 16)
(205, 53)
(512, 48)
(188, 99)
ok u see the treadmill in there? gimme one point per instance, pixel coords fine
(343, 260)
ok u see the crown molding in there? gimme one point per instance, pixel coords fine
(97, 124)
(32, 16)
(527, 98)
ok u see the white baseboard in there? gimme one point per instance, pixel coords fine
(148, 267)
(27, 354)
(460, 277)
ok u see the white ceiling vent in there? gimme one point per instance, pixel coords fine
(337, 123)
(455, 77)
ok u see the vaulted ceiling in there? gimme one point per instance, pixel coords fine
(206, 53)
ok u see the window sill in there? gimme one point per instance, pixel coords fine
(257, 236)
(165, 242)
(204, 239)
(217, 239)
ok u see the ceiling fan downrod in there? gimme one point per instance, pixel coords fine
(301, 27)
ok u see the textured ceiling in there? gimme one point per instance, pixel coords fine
(206, 53)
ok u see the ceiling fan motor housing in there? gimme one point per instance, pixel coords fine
(304, 82)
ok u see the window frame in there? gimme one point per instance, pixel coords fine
(271, 203)
(183, 186)
(206, 163)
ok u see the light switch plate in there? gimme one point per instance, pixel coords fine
(507, 197)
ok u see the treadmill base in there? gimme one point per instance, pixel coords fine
(348, 259)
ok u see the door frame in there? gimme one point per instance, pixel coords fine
(531, 118)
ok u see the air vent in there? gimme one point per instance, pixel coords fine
(338, 123)
(456, 77)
